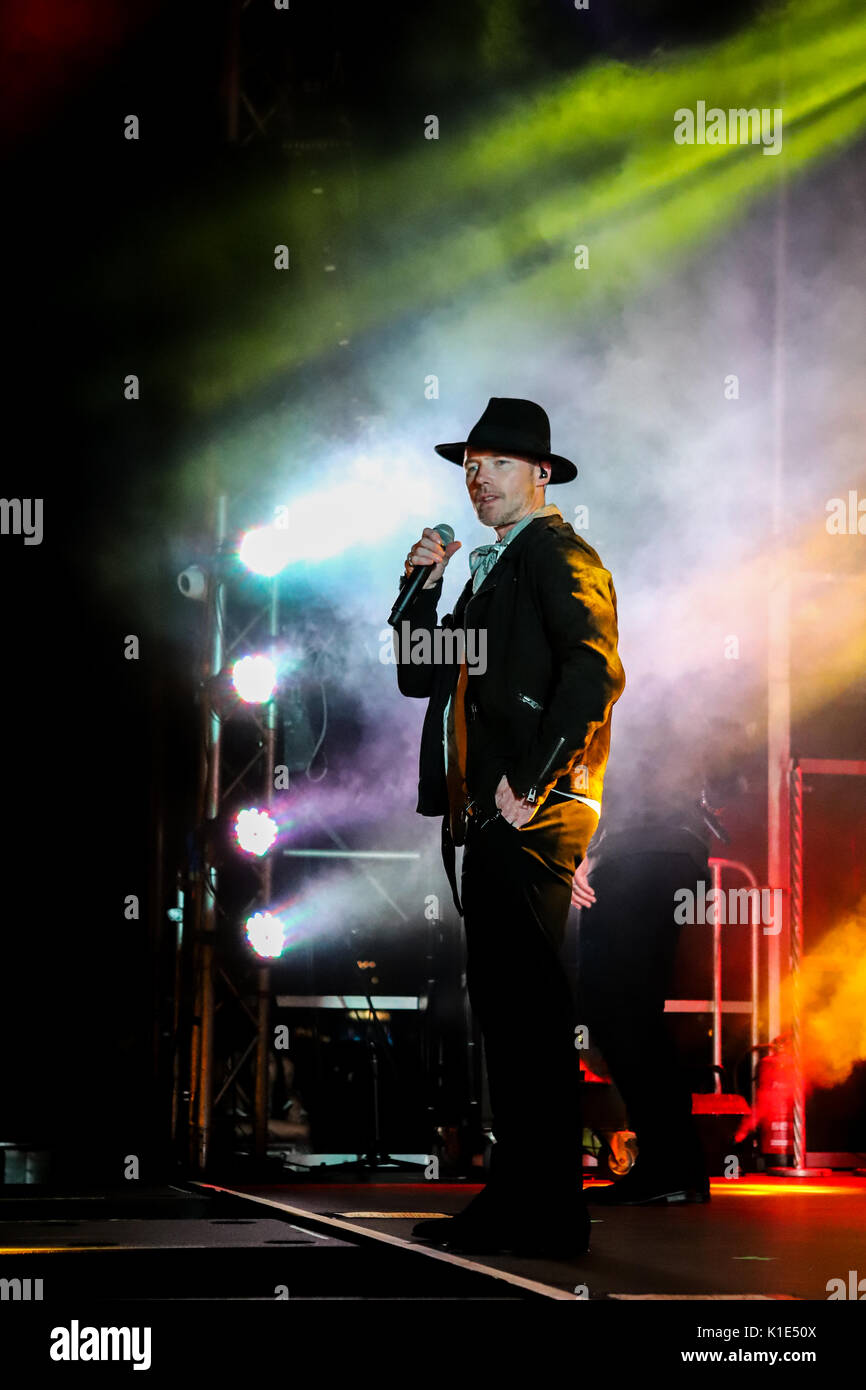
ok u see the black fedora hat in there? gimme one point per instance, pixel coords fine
(513, 427)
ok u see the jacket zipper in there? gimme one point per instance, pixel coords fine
(532, 794)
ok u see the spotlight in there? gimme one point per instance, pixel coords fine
(265, 550)
(192, 582)
(255, 831)
(266, 934)
(254, 679)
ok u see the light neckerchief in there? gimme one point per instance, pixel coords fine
(484, 557)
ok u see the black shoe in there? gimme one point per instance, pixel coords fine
(479, 1216)
(551, 1236)
(637, 1190)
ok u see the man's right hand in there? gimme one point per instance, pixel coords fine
(430, 551)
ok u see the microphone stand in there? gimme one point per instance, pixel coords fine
(376, 1157)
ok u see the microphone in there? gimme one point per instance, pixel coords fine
(411, 587)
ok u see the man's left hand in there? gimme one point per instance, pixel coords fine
(514, 809)
(581, 893)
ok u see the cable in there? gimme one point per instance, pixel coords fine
(321, 739)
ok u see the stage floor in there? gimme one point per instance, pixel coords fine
(759, 1236)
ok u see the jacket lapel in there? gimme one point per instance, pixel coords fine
(460, 605)
(509, 556)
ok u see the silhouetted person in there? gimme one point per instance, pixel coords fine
(654, 839)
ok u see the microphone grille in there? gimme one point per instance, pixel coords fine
(446, 532)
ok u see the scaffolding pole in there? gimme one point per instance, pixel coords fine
(201, 1049)
(263, 981)
(778, 635)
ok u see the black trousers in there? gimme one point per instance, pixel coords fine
(516, 892)
(627, 946)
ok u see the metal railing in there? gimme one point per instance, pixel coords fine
(717, 1006)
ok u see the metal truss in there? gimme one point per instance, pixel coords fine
(268, 97)
(211, 979)
(272, 95)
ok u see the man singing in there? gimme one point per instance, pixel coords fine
(513, 754)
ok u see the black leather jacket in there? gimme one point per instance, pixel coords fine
(541, 711)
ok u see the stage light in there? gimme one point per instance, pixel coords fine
(265, 550)
(266, 934)
(254, 679)
(255, 831)
(192, 582)
(363, 508)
